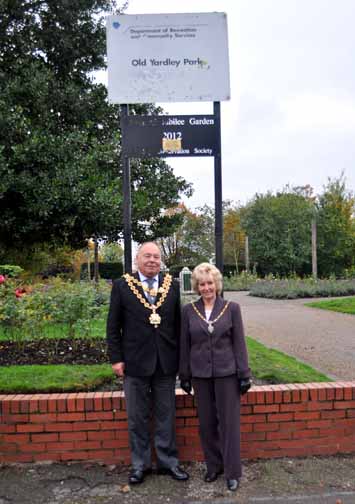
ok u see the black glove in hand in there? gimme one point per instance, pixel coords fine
(186, 386)
(244, 385)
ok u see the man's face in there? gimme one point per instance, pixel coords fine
(148, 260)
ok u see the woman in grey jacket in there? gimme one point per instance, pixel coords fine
(214, 360)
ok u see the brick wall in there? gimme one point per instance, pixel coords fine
(277, 420)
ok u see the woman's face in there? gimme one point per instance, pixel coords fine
(207, 288)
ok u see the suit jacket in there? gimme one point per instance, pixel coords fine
(132, 339)
(220, 353)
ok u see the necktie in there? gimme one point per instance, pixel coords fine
(150, 282)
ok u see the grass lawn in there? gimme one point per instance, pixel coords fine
(344, 305)
(60, 378)
(277, 367)
(266, 364)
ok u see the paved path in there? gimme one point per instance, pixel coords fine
(323, 339)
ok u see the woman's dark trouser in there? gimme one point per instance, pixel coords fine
(218, 406)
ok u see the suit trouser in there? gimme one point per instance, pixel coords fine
(218, 406)
(143, 394)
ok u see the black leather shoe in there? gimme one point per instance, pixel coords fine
(136, 476)
(175, 472)
(212, 476)
(232, 484)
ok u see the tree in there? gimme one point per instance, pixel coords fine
(336, 228)
(111, 252)
(233, 235)
(193, 241)
(60, 179)
(279, 230)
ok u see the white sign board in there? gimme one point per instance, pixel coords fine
(168, 58)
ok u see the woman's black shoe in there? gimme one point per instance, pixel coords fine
(232, 484)
(212, 476)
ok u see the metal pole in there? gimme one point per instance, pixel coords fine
(218, 190)
(314, 249)
(127, 228)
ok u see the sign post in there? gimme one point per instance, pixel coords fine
(169, 58)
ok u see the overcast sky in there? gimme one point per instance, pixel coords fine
(291, 117)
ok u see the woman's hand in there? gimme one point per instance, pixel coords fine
(244, 385)
(186, 386)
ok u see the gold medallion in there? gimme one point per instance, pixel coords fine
(155, 319)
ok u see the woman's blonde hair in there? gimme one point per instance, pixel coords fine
(206, 269)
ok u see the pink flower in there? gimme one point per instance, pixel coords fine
(19, 292)
(2, 279)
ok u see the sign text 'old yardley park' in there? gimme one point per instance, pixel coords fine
(163, 136)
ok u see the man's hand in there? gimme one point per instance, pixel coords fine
(186, 386)
(118, 368)
(244, 385)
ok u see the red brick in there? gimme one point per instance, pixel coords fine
(107, 404)
(114, 443)
(122, 425)
(344, 405)
(43, 418)
(61, 446)
(88, 445)
(73, 436)
(47, 456)
(266, 408)
(318, 406)
(33, 447)
(16, 438)
(71, 417)
(292, 426)
(333, 414)
(98, 402)
(192, 421)
(266, 427)
(86, 426)
(269, 397)
(5, 429)
(186, 412)
(99, 415)
(279, 435)
(308, 433)
(118, 415)
(253, 436)
(247, 427)
(319, 424)
(74, 455)
(30, 427)
(71, 404)
(18, 457)
(92, 436)
(59, 427)
(306, 415)
(280, 417)
(107, 455)
(292, 407)
(253, 418)
(44, 438)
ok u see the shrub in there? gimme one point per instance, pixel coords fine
(243, 281)
(108, 271)
(25, 313)
(292, 288)
(10, 270)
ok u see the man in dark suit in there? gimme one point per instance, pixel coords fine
(143, 330)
